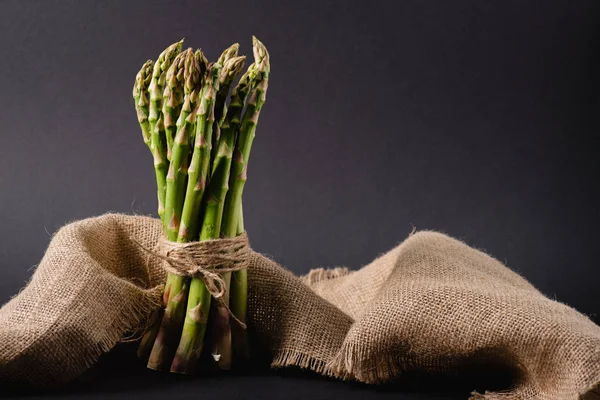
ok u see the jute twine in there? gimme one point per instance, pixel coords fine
(206, 260)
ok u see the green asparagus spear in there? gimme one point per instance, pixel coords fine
(245, 138)
(178, 172)
(215, 206)
(238, 306)
(238, 176)
(149, 83)
(203, 63)
(173, 99)
(166, 340)
(198, 172)
(155, 118)
(141, 99)
(215, 200)
(226, 78)
(231, 70)
(198, 305)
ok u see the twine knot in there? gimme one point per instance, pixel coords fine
(206, 260)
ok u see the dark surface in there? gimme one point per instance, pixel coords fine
(479, 119)
(120, 375)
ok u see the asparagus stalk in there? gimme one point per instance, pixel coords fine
(238, 306)
(231, 122)
(158, 139)
(225, 80)
(173, 99)
(227, 76)
(231, 70)
(198, 304)
(213, 212)
(215, 202)
(203, 64)
(238, 176)
(198, 172)
(164, 345)
(199, 167)
(241, 221)
(140, 97)
(245, 138)
(178, 172)
(221, 338)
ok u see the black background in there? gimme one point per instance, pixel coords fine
(478, 119)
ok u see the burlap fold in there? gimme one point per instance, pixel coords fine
(431, 304)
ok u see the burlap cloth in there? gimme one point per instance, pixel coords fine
(430, 304)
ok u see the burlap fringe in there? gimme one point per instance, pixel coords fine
(130, 321)
(129, 324)
(293, 358)
(351, 362)
(150, 303)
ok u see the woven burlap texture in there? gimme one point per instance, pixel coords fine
(431, 304)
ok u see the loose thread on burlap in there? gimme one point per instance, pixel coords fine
(205, 260)
(154, 297)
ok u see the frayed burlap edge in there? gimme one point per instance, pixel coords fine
(123, 329)
(290, 358)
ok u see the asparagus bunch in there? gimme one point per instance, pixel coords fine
(201, 145)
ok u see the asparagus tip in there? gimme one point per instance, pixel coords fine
(231, 68)
(166, 58)
(174, 48)
(142, 79)
(261, 55)
(228, 53)
(192, 70)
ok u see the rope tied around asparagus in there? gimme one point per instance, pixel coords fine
(205, 260)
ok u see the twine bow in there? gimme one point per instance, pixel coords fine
(205, 260)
